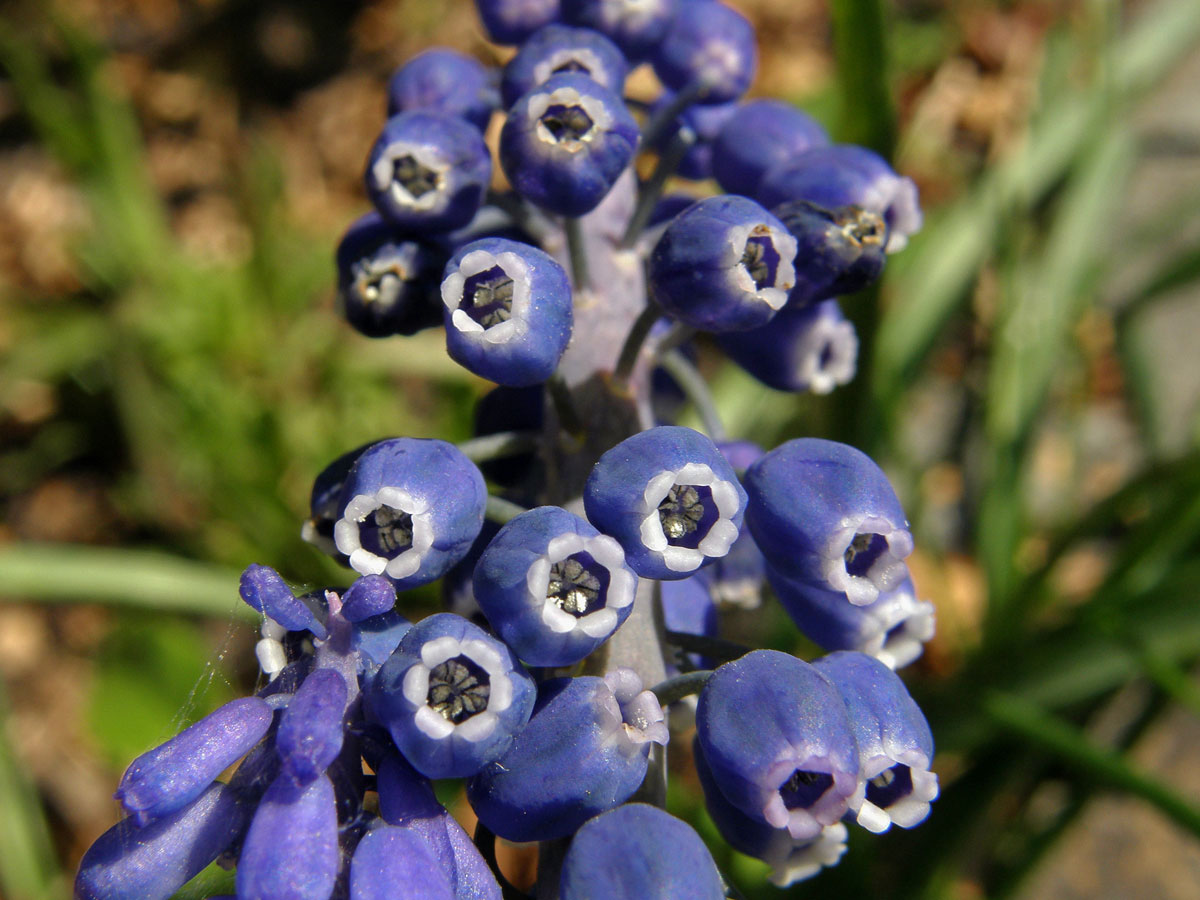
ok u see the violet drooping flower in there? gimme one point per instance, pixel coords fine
(584, 751)
(895, 746)
(152, 863)
(638, 851)
(790, 859)
(554, 587)
(824, 513)
(406, 800)
(409, 509)
(812, 348)
(893, 629)
(291, 849)
(778, 741)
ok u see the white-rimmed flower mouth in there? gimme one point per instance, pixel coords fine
(458, 688)
(865, 557)
(902, 212)
(379, 279)
(394, 541)
(630, 15)
(568, 120)
(793, 861)
(827, 355)
(807, 795)
(687, 516)
(580, 583)
(898, 627)
(572, 59)
(630, 716)
(489, 296)
(413, 175)
(894, 792)
(760, 261)
(716, 63)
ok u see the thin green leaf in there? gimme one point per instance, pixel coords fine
(868, 115)
(1152, 553)
(1075, 663)
(1177, 272)
(1040, 842)
(209, 883)
(1171, 678)
(1152, 489)
(68, 573)
(1050, 292)
(1030, 722)
(935, 273)
(51, 109)
(27, 860)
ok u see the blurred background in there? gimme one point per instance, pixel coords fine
(174, 176)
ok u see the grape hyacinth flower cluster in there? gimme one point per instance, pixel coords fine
(587, 547)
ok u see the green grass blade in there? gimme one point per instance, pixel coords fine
(1051, 293)
(1047, 294)
(67, 573)
(1040, 842)
(1072, 664)
(1153, 489)
(51, 109)
(28, 870)
(1171, 678)
(868, 115)
(935, 273)
(1028, 721)
(1177, 272)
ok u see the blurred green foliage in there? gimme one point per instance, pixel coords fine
(213, 392)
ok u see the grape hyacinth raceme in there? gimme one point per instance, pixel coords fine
(589, 548)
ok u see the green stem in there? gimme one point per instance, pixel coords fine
(564, 406)
(502, 511)
(652, 190)
(499, 445)
(661, 120)
(634, 341)
(717, 648)
(675, 689)
(581, 279)
(696, 388)
(860, 45)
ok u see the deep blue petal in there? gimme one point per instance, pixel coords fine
(291, 849)
(777, 738)
(176, 773)
(638, 851)
(131, 863)
(393, 863)
(310, 731)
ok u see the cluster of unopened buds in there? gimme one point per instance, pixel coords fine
(585, 548)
